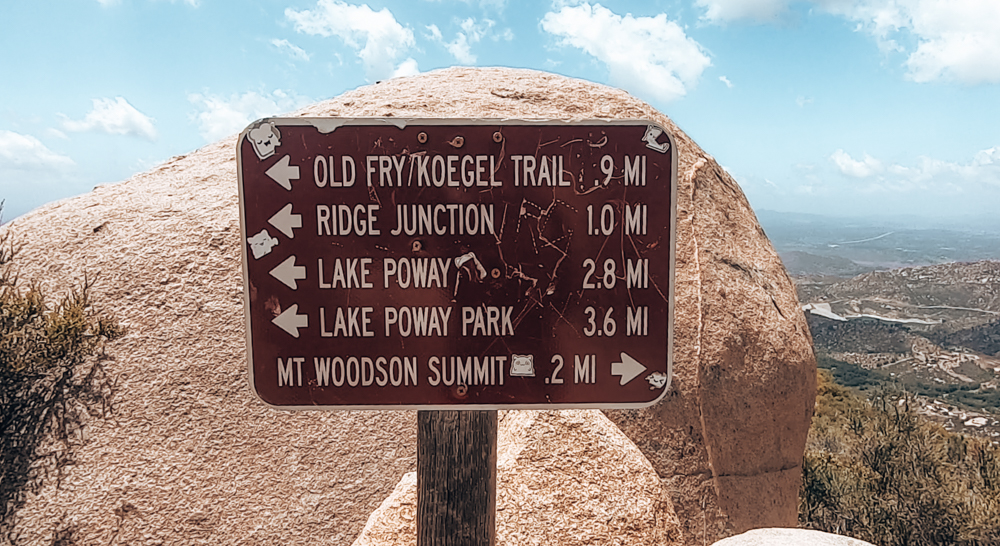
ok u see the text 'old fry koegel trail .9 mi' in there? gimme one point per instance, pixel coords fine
(440, 263)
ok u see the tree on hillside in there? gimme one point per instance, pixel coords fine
(877, 471)
(51, 382)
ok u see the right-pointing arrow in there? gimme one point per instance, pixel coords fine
(287, 272)
(629, 368)
(285, 221)
(283, 173)
(290, 321)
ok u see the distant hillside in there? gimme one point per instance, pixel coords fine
(931, 330)
(798, 262)
(858, 336)
(959, 285)
(943, 299)
(984, 338)
(876, 243)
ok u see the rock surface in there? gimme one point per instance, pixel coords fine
(191, 457)
(563, 477)
(789, 537)
(732, 430)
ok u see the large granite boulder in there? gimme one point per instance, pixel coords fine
(728, 438)
(563, 477)
(191, 457)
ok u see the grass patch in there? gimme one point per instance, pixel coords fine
(52, 382)
(851, 375)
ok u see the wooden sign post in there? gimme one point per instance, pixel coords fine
(456, 478)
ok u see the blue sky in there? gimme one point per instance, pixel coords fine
(842, 107)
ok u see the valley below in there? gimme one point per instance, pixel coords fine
(906, 308)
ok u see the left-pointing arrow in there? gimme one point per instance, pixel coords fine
(287, 272)
(629, 368)
(285, 221)
(283, 173)
(290, 321)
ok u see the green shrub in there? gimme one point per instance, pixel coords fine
(850, 375)
(51, 381)
(875, 470)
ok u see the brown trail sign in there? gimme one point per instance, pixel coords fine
(457, 264)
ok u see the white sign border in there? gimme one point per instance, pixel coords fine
(330, 124)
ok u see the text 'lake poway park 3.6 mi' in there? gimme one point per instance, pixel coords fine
(449, 264)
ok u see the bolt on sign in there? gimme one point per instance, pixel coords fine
(450, 264)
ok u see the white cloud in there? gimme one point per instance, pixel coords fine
(293, 50)
(722, 11)
(30, 173)
(406, 68)
(496, 5)
(726, 81)
(984, 168)
(220, 117)
(375, 35)
(802, 102)
(868, 166)
(435, 33)
(955, 39)
(472, 32)
(990, 156)
(114, 116)
(651, 56)
(959, 40)
(810, 187)
(933, 177)
(25, 152)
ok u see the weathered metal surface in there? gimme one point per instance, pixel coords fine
(452, 264)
